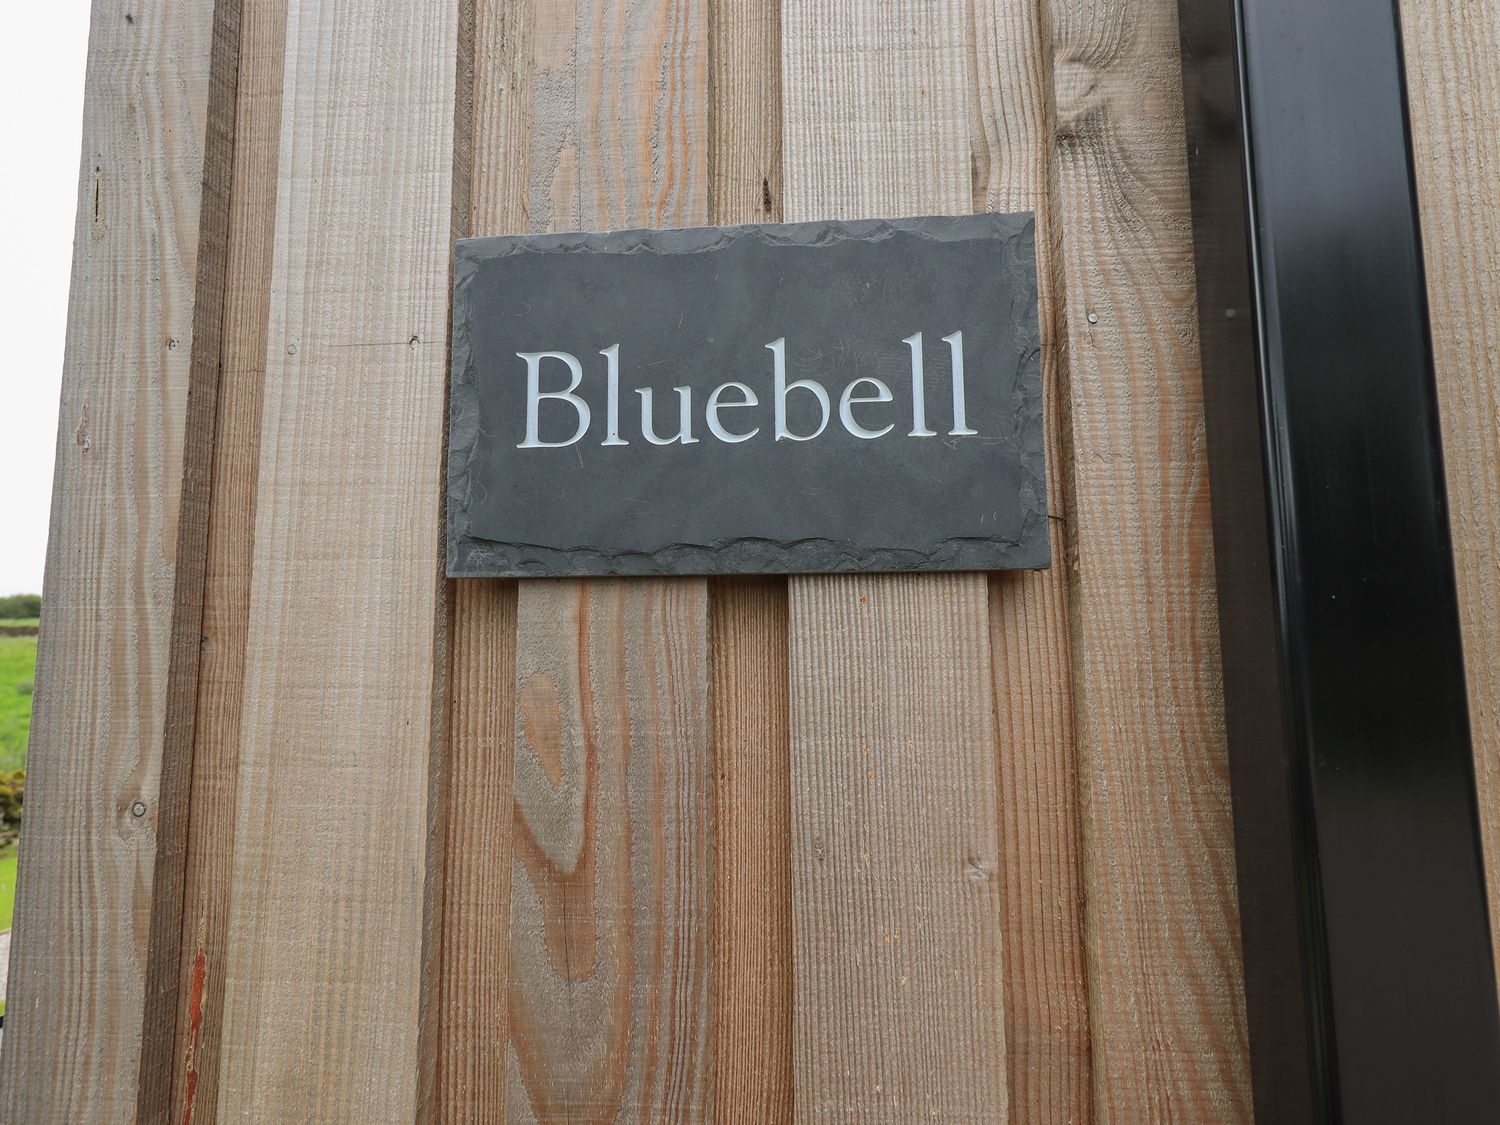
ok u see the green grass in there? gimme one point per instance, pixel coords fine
(7, 885)
(17, 671)
(7, 893)
(34, 622)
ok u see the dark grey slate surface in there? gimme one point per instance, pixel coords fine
(698, 308)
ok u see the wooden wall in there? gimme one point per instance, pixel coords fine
(314, 834)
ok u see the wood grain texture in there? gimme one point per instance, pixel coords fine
(474, 1009)
(1453, 92)
(876, 103)
(615, 110)
(748, 620)
(190, 1018)
(618, 114)
(896, 880)
(1046, 995)
(450, 823)
(1165, 983)
(744, 157)
(200, 451)
(610, 905)
(895, 864)
(72, 1047)
(753, 969)
(428, 1017)
(324, 948)
(501, 118)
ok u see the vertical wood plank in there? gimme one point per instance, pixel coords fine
(1162, 931)
(471, 753)
(895, 862)
(190, 1026)
(616, 137)
(146, 246)
(1453, 92)
(194, 547)
(490, 161)
(753, 967)
(1046, 996)
(324, 949)
(895, 873)
(474, 1009)
(749, 678)
(609, 940)
(744, 157)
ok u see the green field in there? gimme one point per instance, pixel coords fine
(7, 893)
(17, 668)
(7, 885)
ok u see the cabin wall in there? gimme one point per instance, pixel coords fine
(838, 848)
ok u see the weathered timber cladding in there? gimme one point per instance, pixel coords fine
(895, 837)
(940, 847)
(148, 169)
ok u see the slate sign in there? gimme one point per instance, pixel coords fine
(815, 397)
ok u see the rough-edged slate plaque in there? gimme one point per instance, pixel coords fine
(860, 396)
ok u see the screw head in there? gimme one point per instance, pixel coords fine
(138, 809)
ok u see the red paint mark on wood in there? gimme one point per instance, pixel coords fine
(195, 1025)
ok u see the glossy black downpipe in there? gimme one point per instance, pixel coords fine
(1370, 987)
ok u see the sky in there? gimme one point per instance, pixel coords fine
(41, 132)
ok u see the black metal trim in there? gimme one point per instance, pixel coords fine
(1370, 988)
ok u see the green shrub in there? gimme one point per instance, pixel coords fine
(20, 607)
(12, 791)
